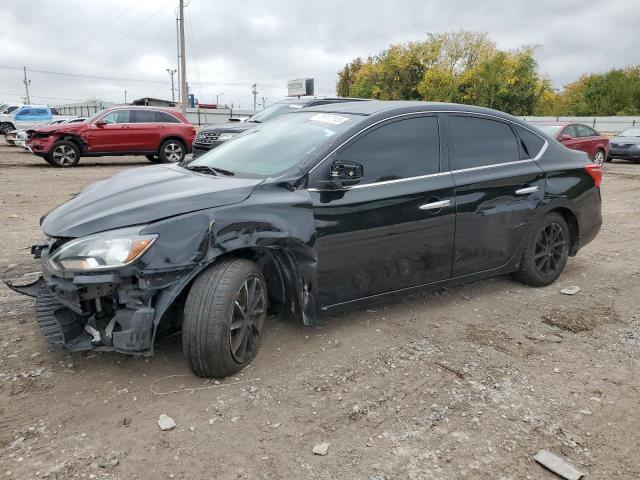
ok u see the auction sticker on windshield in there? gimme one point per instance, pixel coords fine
(329, 118)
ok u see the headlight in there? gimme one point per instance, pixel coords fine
(226, 136)
(108, 250)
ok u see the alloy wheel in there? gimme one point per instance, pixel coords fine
(64, 155)
(173, 152)
(598, 158)
(550, 249)
(247, 318)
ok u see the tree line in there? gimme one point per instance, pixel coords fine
(467, 67)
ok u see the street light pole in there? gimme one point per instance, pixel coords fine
(218, 97)
(172, 73)
(183, 61)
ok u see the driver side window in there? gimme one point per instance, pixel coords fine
(117, 116)
(401, 149)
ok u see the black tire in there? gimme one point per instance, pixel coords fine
(544, 257)
(172, 151)
(214, 326)
(153, 158)
(64, 154)
(6, 128)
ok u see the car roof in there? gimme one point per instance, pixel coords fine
(374, 107)
(308, 100)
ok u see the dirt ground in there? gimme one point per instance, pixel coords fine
(467, 382)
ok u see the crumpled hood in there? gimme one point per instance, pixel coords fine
(58, 127)
(625, 140)
(143, 195)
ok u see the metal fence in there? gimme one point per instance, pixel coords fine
(605, 125)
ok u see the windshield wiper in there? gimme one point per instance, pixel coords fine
(211, 170)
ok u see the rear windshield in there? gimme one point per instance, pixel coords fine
(276, 146)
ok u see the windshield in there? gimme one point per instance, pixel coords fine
(276, 146)
(550, 129)
(630, 132)
(274, 111)
(97, 115)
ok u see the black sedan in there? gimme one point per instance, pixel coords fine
(626, 145)
(215, 135)
(316, 211)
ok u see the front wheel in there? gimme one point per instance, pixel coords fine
(223, 318)
(64, 154)
(172, 151)
(599, 157)
(546, 252)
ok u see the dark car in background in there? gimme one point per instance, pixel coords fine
(313, 212)
(215, 135)
(163, 135)
(626, 145)
(579, 137)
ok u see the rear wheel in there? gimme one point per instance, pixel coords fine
(6, 128)
(64, 154)
(172, 151)
(599, 157)
(546, 252)
(223, 318)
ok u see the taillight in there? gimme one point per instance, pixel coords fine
(595, 171)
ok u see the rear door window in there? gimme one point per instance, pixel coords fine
(481, 142)
(144, 116)
(401, 149)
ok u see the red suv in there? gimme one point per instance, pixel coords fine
(162, 135)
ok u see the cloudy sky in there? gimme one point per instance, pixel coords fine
(100, 48)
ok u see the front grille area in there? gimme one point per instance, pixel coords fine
(207, 138)
(622, 146)
(58, 324)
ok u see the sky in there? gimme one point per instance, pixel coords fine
(97, 49)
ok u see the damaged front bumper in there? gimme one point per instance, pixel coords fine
(113, 311)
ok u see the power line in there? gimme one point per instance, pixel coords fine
(111, 44)
(122, 79)
(108, 24)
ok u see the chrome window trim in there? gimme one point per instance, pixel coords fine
(133, 107)
(535, 159)
(426, 112)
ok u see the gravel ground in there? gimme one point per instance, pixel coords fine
(467, 382)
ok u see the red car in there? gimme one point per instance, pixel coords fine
(579, 137)
(163, 135)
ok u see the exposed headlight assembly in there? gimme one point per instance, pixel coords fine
(107, 250)
(226, 136)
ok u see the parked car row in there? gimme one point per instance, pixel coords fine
(312, 212)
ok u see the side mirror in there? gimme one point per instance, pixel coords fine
(100, 123)
(565, 137)
(344, 173)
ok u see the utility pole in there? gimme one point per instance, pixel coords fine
(125, 96)
(255, 97)
(173, 90)
(26, 84)
(218, 97)
(183, 60)
(178, 53)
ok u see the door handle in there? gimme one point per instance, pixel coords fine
(527, 190)
(435, 205)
